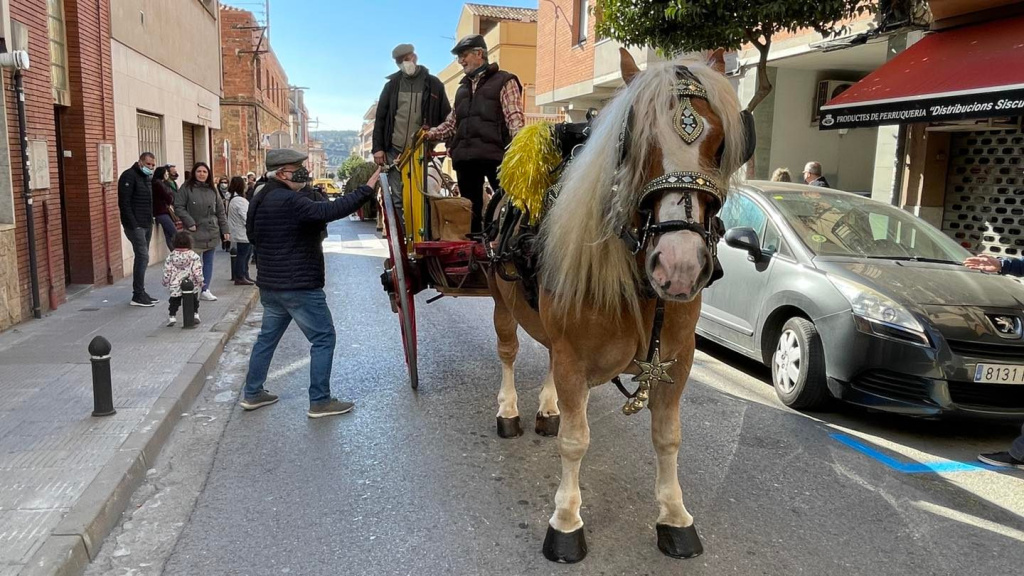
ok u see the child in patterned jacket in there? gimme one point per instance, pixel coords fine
(182, 263)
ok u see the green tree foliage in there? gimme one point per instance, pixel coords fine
(695, 25)
(350, 164)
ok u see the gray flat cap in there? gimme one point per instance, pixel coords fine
(402, 50)
(284, 156)
(469, 42)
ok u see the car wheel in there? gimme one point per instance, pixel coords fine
(798, 366)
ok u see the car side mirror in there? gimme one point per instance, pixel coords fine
(746, 239)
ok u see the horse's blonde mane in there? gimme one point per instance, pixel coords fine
(584, 260)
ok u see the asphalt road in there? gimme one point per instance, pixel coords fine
(419, 482)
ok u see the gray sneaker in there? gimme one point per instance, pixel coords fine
(260, 400)
(332, 407)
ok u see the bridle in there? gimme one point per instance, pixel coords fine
(689, 125)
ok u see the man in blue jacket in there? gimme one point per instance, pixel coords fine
(1014, 457)
(285, 225)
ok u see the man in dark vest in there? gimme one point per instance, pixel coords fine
(411, 98)
(488, 113)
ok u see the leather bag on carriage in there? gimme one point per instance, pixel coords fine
(451, 218)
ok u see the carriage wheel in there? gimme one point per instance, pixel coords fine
(401, 290)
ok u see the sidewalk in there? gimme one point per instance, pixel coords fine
(65, 477)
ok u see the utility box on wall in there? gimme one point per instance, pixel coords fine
(39, 165)
(106, 157)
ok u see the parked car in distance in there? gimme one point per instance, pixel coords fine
(330, 187)
(845, 297)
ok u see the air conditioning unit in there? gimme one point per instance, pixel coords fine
(827, 90)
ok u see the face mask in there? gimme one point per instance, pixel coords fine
(147, 170)
(409, 68)
(300, 175)
(223, 187)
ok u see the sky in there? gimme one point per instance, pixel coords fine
(341, 49)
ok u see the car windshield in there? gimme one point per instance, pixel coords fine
(832, 224)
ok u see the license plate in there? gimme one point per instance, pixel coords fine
(999, 374)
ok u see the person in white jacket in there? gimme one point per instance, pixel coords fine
(238, 208)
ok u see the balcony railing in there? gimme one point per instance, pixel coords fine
(535, 118)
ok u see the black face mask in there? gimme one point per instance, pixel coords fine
(300, 175)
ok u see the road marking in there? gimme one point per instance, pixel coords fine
(970, 520)
(909, 467)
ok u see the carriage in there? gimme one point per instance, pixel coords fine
(427, 242)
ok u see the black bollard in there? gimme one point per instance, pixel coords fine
(102, 395)
(188, 304)
(234, 256)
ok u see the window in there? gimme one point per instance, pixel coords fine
(58, 52)
(151, 136)
(582, 19)
(741, 212)
(259, 72)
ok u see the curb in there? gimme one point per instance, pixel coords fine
(76, 541)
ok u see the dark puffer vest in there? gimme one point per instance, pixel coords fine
(481, 133)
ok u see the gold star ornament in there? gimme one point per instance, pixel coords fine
(654, 371)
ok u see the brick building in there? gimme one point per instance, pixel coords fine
(70, 129)
(256, 104)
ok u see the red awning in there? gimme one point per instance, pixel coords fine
(971, 72)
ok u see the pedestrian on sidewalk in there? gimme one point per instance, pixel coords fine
(284, 225)
(135, 202)
(182, 263)
(782, 175)
(238, 209)
(411, 98)
(488, 112)
(250, 184)
(1014, 457)
(201, 211)
(222, 188)
(813, 177)
(163, 205)
(172, 177)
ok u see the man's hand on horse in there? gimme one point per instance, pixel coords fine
(379, 158)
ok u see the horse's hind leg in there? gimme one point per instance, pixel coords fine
(508, 347)
(677, 536)
(564, 541)
(547, 415)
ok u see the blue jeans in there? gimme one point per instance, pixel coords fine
(309, 310)
(167, 225)
(1017, 448)
(208, 267)
(240, 271)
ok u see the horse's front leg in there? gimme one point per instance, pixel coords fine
(565, 541)
(548, 417)
(505, 326)
(677, 536)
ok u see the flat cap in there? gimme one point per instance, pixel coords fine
(402, 50)
(284, 156)
(471, 41)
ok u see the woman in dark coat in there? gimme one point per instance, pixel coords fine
(202, 213)
(163, 205)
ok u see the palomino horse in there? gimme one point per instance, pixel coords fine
(625, 252)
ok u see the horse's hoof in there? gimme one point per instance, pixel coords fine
(679, 542)
(509, 427)
(547, 425)
(565, 547)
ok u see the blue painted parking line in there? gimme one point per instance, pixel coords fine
(908, 467)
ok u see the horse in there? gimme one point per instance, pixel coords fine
(624, 254)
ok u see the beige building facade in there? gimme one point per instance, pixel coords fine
(167, 86)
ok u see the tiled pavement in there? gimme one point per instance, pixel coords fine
(64, 472)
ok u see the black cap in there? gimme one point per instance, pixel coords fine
(471, 41)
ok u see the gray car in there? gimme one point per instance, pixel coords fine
(845, 297)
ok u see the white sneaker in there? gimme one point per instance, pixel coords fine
(207, 296)
(196, 318)
(171, 320)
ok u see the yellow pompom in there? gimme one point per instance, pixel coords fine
(526, 170)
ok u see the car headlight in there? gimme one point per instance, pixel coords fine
(880, 315)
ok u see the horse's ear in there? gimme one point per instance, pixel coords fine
(627, 65)
(716, 61)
